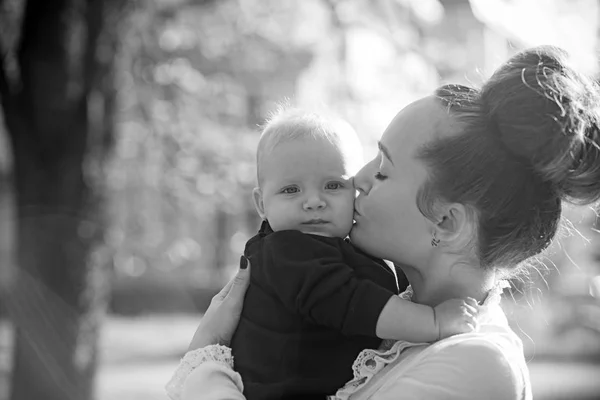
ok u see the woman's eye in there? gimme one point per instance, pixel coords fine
(380, 177)
(334, 186)
(290, 190)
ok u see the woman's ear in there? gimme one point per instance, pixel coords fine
(454, 224)
(258, 202)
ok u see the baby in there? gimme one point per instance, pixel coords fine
(315, 301)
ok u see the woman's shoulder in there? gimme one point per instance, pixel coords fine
(482, 365)
(495, 345)
(489, 360)
(478, 350)
(467, 367)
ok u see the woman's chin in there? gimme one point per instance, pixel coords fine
(366, 241)
(355, 235)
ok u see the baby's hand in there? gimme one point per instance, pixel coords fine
(456, 316)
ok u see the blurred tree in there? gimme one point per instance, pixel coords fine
(58, 94)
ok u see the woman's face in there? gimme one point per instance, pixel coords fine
(388, 223)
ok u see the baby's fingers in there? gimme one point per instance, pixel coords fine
(470, 310)
(470, 318)
(472, 302)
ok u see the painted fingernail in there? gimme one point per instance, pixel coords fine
(243, 262)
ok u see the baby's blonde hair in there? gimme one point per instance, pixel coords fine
(287, 124)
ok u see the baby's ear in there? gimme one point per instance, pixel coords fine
(258, 202)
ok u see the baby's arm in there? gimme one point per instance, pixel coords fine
(404, 320)
(310, 278)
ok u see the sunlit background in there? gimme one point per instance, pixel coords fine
(195, 80)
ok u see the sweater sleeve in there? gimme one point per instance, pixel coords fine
(309, 277)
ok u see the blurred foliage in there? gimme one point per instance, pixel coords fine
(196, 80)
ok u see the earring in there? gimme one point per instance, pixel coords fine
(434, 241)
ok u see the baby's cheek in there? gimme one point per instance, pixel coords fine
(281, 217)
(350, 200)
(348, 209)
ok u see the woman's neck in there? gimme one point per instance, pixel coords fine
(447, 277)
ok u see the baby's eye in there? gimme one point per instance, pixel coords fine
(334, 186)
(290, 190)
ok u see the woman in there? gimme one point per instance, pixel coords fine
(468, 185)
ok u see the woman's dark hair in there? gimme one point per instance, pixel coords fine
(529, 139)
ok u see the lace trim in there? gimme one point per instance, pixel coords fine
(369, 361)
(191, 360)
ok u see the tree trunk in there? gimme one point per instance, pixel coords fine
(59, 115)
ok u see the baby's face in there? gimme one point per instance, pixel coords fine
(306, 187)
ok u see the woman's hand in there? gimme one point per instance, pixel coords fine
(221, 319)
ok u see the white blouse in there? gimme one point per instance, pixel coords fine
(487, 364)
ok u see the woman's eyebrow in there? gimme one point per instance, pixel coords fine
(385, 151)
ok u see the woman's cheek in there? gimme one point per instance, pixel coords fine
(373, 206)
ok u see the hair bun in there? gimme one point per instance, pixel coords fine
(548, 114)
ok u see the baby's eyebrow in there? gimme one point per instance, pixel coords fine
(385, 151)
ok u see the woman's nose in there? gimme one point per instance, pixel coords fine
(314, 202)
(363, 180)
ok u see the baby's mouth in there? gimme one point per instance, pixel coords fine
(315, 221)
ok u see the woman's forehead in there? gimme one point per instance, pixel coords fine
(416, 124)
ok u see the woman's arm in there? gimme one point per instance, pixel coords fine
(213, 381)
(207, 367)
(221, 319)
(206, 373)
(470, 370)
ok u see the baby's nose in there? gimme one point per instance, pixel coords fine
(314, 203)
